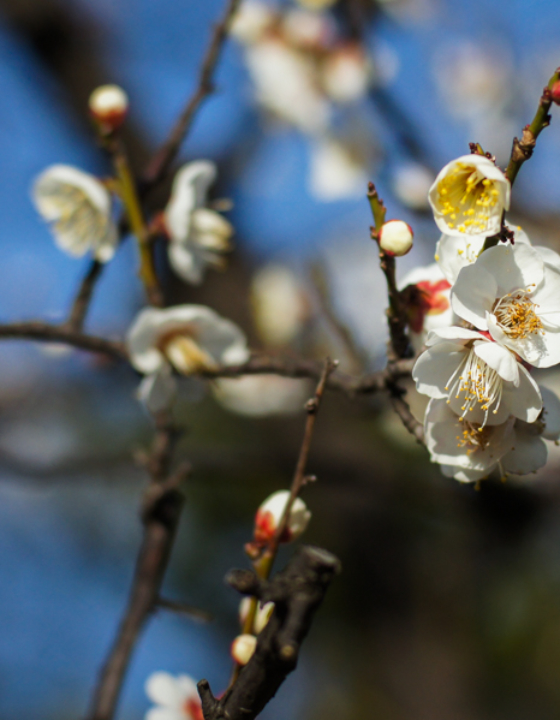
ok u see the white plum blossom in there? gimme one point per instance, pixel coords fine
(261, 395)
(251, 21)
(469, 195)
(185, 338)
(336, 173)
(306, 30)
(346, 73)
(513, 294)
(270, 513)
(176, 698)
(481, 381)
(428, 302)
(79, 208)
(455, 253)
(469, 452)
(198, 236)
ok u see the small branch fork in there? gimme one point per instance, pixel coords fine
(297, 592)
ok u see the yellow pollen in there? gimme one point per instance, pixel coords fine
(474, 437)
(516, 315)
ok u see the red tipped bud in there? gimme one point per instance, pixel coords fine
(108, 105)
(395, 237)
(555, 92)
(270, 513)
(242, 648)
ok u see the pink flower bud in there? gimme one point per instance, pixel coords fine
(395, 237)
(242, 648)
(270, 513)
(109, 105)
(555, 92)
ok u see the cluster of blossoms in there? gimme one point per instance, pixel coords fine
(302, 71)
(487, 313)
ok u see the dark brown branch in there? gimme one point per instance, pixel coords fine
(297, 592)
(163, 158)
(81, 303)
(402, 408)
(160, 513)
(45, 332)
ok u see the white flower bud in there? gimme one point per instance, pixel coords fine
(109, 105)
(262, 615)
(242, 648)
(270, 513)
(395, 237)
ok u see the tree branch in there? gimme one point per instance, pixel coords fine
(297, 592)
(163, 158)
(160, 514)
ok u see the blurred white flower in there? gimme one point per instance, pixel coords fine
(469, 196)
(251, 21)
(270, 513)
(285, 83)
(307, 30)
(262, 615)
(176, 698)
(187, 338)
(280, 306)
(512, 293)
(243, 647)
(335, 173)
(261, 395)
(198, 236)
(346, 73)
(79, 208)
(411, 184)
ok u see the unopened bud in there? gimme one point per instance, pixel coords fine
(270, 513)
(555, 92)
(242, 648)
(262, 615)
(395, 237)
(109, 105)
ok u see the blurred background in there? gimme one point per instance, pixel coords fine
(449, 602)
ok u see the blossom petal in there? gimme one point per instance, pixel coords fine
(164, 713)
(528, 454)
(435, 367)
(549, 257)
(463, 475)
(186, 261)
(187, 686)
(524, 401)
(455, 253)
(452, 333)
(551, 414)
(141, 341)
(474, 294)
(512, 266)
(499, 359)
(158, 390)
(163, 689)
(188, 192)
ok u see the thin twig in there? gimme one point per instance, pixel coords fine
(160, 513)
(45, 332)
(523, 149)
(80, 306)
(163, 158)
(184, 609)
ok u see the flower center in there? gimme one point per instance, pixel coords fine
(480, 384)
(467, 198)
(474, 437)
(185, 354)
(516, 315)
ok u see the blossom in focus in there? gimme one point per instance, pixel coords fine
(243, 647)
(469, 196)
(262, 615)
(270, 513)
(512, 293)
(186, 338)
(176, 698)
(198, 236)
(454, 253)
(481, 381)
(79, 208)
(395, 237)
(427, 299)
(108, 104)
(469, 452)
